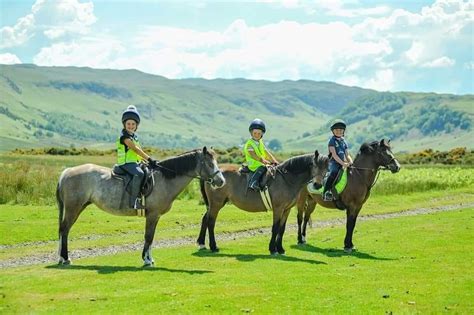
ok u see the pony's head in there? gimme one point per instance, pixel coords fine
(208, 169)
(382, 154)
(319, 169)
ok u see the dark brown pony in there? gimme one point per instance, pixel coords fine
(87, 184)
(361, 177)
(290, 177)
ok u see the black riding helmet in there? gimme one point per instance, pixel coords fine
(131, 113)
(257, 124)
(338, 124)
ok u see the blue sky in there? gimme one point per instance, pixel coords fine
(391, 45)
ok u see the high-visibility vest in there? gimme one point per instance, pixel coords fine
(259, 150)
(125, 154)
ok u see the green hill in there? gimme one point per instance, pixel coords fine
(61, 106)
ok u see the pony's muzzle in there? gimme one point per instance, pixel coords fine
(217, 181)
(394, 167)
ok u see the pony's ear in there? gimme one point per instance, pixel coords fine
(316, 154)
(204, 150)
(382, 143)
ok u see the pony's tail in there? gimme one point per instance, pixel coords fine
(202, 184)
(60, 202)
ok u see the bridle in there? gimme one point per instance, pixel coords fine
(375, 170)
(209, 179)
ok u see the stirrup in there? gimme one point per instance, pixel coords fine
(327, 196)
(138, 204)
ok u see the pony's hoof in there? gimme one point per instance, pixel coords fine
(282, 253)
(148, 263)
(215, 250)
(201, 247)
(64, 262)
(273, 253)
(349, 250)
(301, 242)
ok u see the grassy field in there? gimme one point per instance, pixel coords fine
(406, 265)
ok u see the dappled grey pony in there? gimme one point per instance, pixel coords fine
(88, 184)
(361, 177)
(290, 177)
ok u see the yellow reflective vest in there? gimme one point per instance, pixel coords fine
(126, 155)
(259, 149)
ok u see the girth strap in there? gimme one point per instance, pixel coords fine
(267, 200)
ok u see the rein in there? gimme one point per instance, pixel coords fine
(208, 180)
(380, 168)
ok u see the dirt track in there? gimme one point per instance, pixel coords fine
(52, 258)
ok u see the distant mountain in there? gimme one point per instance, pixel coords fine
(63, 106)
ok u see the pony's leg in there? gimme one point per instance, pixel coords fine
(64, 228)
(151, 222)
(300, 205)
(215, 205)
(277, 214)
(201, 241)
(310, 206)
(350, 225)
(70, 216)
(279, 239)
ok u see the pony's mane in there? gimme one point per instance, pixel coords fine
(369, 148)
(297, 164)
(179, 165)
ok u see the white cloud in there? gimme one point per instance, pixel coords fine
(382, 81)
(91, 52)
(440, 63)
(19, 33)
(59, 17)
(415, 53)
(331, 7)
(9, 59)
(54, 18)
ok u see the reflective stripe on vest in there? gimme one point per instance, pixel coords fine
(127, 156)
(259, 151)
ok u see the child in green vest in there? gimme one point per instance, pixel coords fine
(130, 153)
(256, 154)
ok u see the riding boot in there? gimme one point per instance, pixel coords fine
(327, 193)
(135, 201)
(257, 175)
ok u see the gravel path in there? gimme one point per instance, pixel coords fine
(51, 258)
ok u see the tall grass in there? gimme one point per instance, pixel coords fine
(22, 183)
(31, 180)
(26, 183)
(410, 180)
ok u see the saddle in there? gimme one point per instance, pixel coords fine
(264, 183)
(147, 184)
(337, 188)
(265, 180)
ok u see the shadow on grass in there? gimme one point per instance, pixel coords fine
(250, 257)
(334, 252)
(114, 269)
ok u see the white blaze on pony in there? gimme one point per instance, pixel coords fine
(88, 184)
